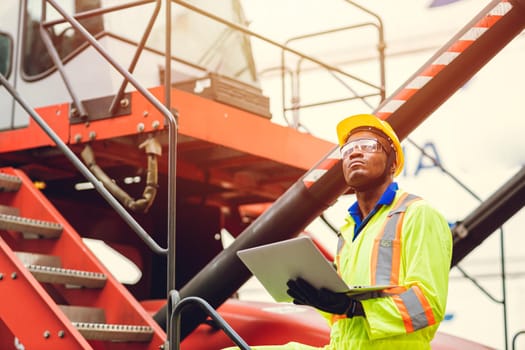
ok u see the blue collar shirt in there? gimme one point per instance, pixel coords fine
(386, 199)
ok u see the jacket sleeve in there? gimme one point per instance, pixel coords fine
(426, 252)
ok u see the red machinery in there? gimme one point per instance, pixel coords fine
(222, 154)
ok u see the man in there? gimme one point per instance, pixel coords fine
(390, 238)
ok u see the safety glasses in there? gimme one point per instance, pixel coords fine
(363, 145)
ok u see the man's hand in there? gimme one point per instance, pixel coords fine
(303, 293)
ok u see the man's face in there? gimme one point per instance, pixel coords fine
(363, 163)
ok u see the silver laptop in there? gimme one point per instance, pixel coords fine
(275, 263)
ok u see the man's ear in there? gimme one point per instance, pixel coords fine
(393, 168)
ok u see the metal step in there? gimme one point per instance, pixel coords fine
(114, 332)
(9, 183)
(8, 210)
(38, 259)
(48, 274)
(91, 323)
(84, 314)
(47, 229)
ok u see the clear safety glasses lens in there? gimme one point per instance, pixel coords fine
(363, 145)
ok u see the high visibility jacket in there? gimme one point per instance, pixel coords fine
(407, 244)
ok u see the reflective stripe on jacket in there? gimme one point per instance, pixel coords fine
(412, 249)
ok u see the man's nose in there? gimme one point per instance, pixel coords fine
(356, 152)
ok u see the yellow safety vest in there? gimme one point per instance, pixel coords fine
(407, 244)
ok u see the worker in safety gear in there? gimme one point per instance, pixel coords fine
(390, 238)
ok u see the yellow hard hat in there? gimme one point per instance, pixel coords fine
(347, 125)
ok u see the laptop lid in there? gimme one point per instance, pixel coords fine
(275, 263)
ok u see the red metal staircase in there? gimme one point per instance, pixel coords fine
(55, 293)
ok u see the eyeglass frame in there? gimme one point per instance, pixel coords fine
(377, 142)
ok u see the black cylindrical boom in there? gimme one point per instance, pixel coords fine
(489, 216)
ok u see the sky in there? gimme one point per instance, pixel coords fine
(477, 133)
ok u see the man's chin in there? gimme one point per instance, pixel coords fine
(364, 183)
(357, 177)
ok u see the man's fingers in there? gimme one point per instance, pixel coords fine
(291, 284)
(298, 298)
(302, 291)
(307, 288)
(296, 293)
(300, 302)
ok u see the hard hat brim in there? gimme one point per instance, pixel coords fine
(345, 127)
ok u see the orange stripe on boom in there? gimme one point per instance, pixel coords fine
(405, 94)
(460, 46)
